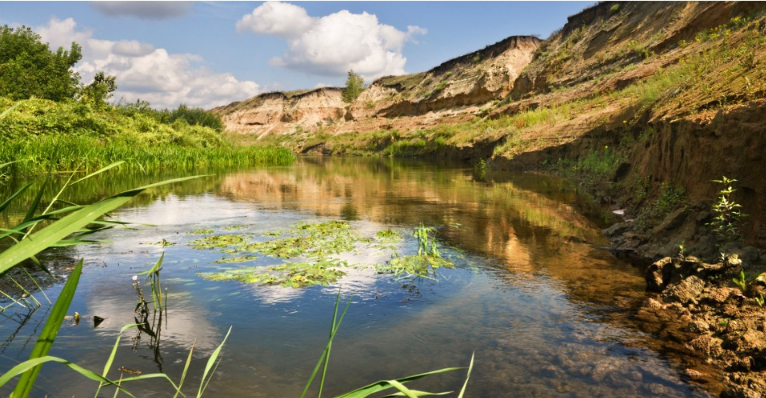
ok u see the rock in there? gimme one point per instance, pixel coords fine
(671, 221)
(617, 229)
(753, 340)
(688, 291)
(698, 326)
(718, 295)
(695, 375)
(703, 217)
(707, 345)
(658, 275)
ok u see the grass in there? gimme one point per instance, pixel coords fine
(45, 136)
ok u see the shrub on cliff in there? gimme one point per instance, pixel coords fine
(354, 87)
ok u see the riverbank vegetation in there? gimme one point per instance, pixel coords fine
(43, 135)
(52, 122)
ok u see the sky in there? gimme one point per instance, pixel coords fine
(206, 54)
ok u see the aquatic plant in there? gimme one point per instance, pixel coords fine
(421, 265)
(31, 243)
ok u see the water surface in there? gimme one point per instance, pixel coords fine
(534, 295)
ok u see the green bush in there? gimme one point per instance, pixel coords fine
(28, 68)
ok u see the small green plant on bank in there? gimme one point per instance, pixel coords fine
(728, 215)
(480, 170)
(681, 249)
(670, 199)
(741, 282)
(759, 300)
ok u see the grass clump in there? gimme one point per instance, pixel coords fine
(421, 265)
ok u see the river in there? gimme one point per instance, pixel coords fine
(533, 294)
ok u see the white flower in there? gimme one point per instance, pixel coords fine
(135, 278)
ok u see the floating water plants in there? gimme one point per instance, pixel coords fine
(423, 264)
(318, 248)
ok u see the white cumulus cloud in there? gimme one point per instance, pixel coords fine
(333, 44)
(145, 72)
(274, 18)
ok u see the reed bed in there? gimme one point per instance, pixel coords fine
(42, 136)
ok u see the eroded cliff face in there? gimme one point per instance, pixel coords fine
(279, 112)
(471, 80)
(459, 86)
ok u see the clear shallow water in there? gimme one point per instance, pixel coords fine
(533, 295)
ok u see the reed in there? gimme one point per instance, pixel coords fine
(43, 136)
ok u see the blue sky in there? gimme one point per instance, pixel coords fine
(212, 53)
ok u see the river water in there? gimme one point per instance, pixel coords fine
(533, 295)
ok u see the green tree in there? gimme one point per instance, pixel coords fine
(196, 116)
(29, 68)
(354, 87)
(100, 90)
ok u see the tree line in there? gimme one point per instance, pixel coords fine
(30, 69)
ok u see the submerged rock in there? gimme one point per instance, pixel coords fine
(697, 306)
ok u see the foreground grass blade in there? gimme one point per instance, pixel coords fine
(62, 228)
(210, 362)
(467, 376)
(109, 361)
(25, 366)
(49, 332)
(386, 384)
(97, 172)
(326, 353)
(15, 194)
(186, 368)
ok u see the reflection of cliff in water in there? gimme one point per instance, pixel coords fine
(535, 229)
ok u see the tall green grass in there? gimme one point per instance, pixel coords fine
(38, 154)
(43, 136)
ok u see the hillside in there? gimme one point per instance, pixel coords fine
(457, 86)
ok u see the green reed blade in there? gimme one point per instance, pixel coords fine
(418, 393)
(324, 358)
(467, 376)
(49, 332)
(209, 365)
(60, 229)
(15, 194)
(36, 202)
(110, 360)
(183, 374)
(384, 384)
(97, 172)
(26, 366)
